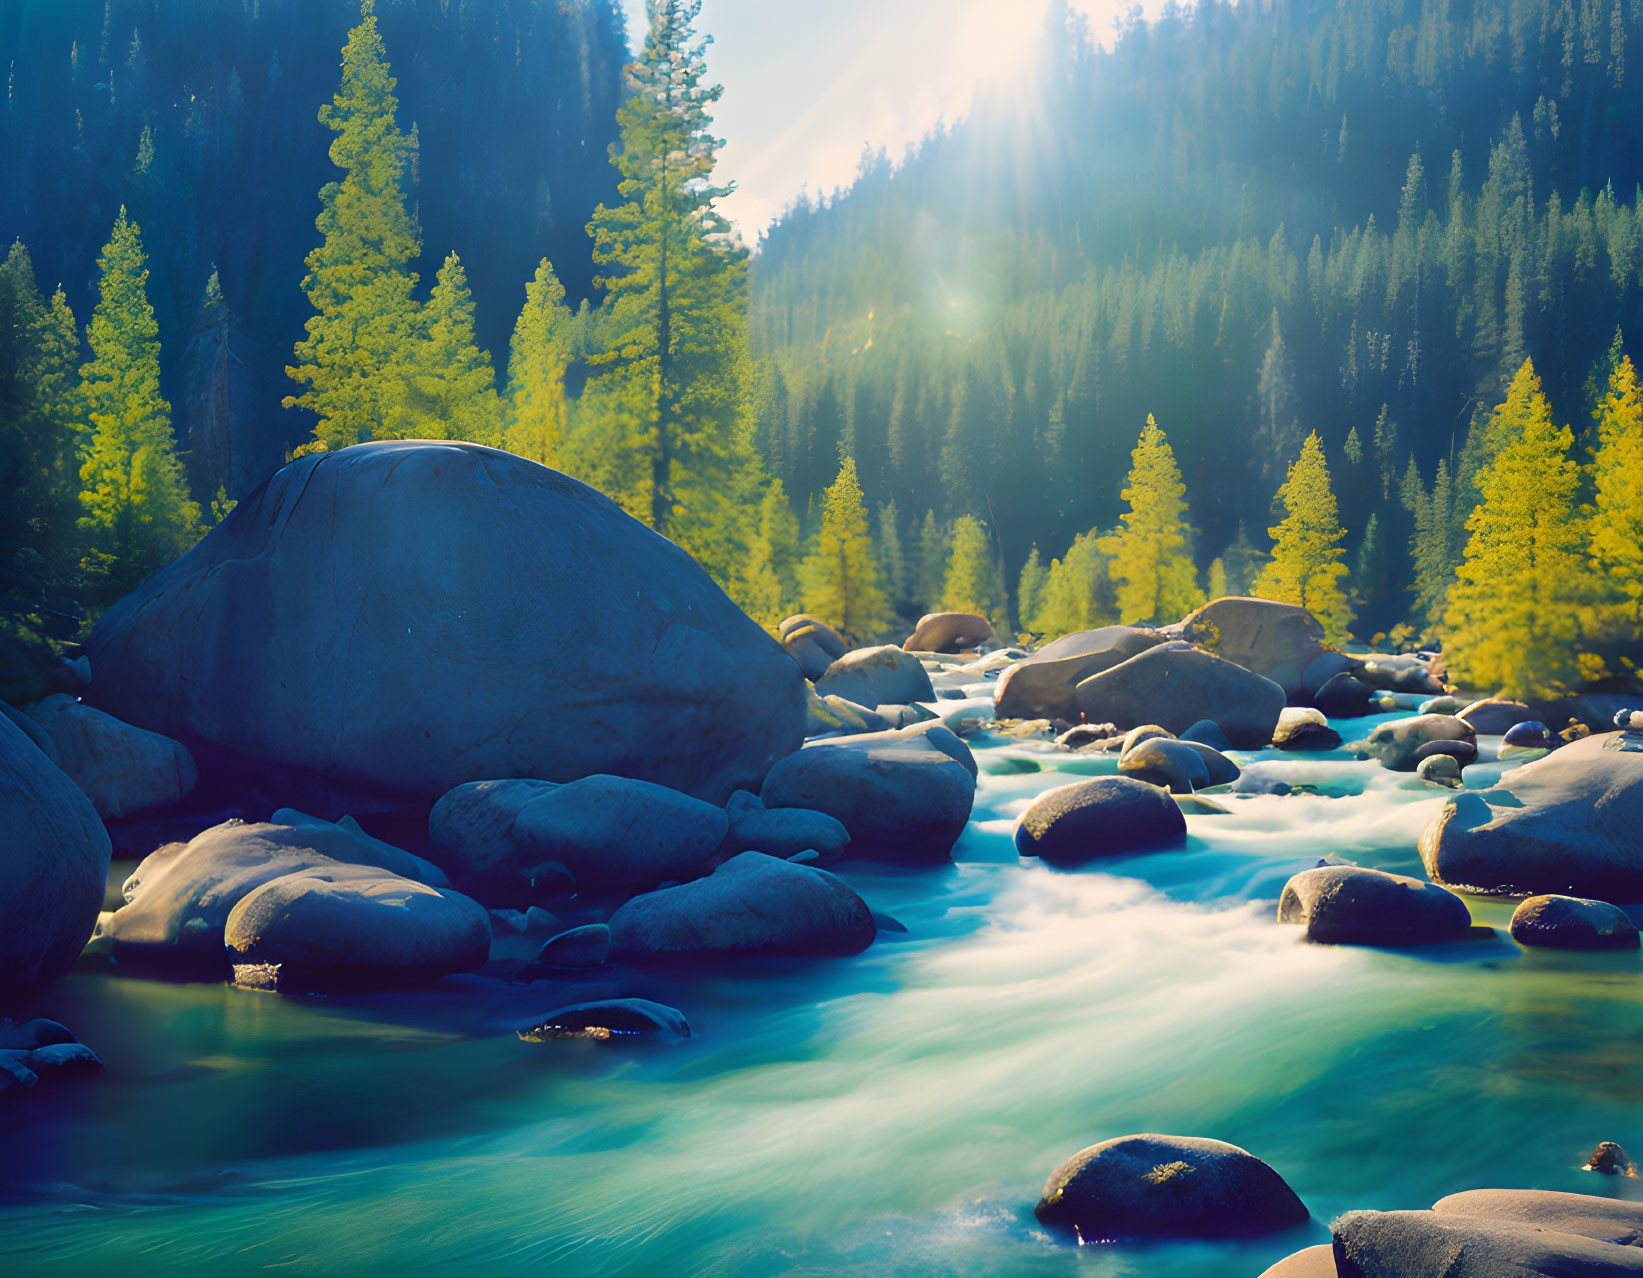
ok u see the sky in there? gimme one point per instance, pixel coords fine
(809, 83)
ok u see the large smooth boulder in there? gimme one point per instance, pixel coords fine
(903, 795)
(498, 837)
(54, 856)
(1101, 816)
(1400, 1244)
(1570, 923)
(122, 769)
(1163, 761)
(752, 904)
(815, 645)
(179, 898)
(877, 676)
(1397, 744)
(1276, 640)
(1310, 1262)
(1567, 823)
(1175, 685)
(781, 832)
(1352, 905)
(1496, 717)
(1043, 686)
(408, 616)
(950, 632)
(350, 927)
(1168, 1186)
(1584, 1215)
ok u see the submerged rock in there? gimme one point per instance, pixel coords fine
(876, 676)
(752, 904)
(1175, 685)
(498, 837)
(950, 632)
(1167, 1186)
(613, 1018)
(1396, 744)
(1103, 816)
(179, 898)
(1278, 641)
(903, 795)
(1044, 684)
(1570, 923)
(1566, 823)
(585, 946)
(122, 769)
(407, 616)
(1352, 905)
(352, 927)
(40, 1050)
(54, 855)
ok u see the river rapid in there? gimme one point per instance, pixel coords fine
(895, 1113)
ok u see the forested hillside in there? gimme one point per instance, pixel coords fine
(199, 116)
(1252, 221)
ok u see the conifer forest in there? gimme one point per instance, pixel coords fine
(547, 719)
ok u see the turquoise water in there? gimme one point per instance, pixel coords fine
(896, 1113)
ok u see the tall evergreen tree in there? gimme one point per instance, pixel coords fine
(1029, 594)
(769, 585)
(1512, 622)
(132, 490)
(1617, 474)
(840, 575)
(1072, 589)
(537, 358)
(1217, 587)
(1151, 561)
(1306, 565)
(972, 573)
(892, 555)
(933, 550)
(361, 337)
(448, 388)
(675, 338)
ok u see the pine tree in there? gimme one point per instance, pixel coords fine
(537, 358)
(1306, 565)
(1029, 594)
(132, 491)
(1243, 563)
(1512, 622)
(932, 563)
(1151, 564)
(1072, 599)
(892, 557)
(1436, 549)
(770, 582)
(1617, 474)
(448, 387)
(675, 333)
(362, 334)
(1217, 580)
(1280, 429)
(840, 576)
(971, 584)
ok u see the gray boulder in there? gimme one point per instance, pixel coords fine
(781, 832)
(1044, 685)
(1396, 744)
(42, 1050)
(1278, 641)
(752, 904)
(1103, 816)
(179, 898)
(1403, 672)
(1168, 1186)
(1566, 823)
(352, 927)
(1304, 728)
(1345, 697)
(813, 644)
(1351, 905)
(497, 837)
(903, 795)
(1175, 685)
(1570, 923)
(877, 676)
(1310, 1262)
(585, 946)
(1494, 717)
(950, 632)
(53, 866)
(1400, 1244)
(407, 616)
(1582, 1215)
(1163, 761)
(122, 769)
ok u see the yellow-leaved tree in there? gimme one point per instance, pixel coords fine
(1306, 567)
(1513, 617)
(1071, 597)
(972, 575)
(768, 588)
(840, 576)
(537, 358)
(1617, 474)
(1151, 563)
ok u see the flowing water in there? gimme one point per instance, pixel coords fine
(895, 1113)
